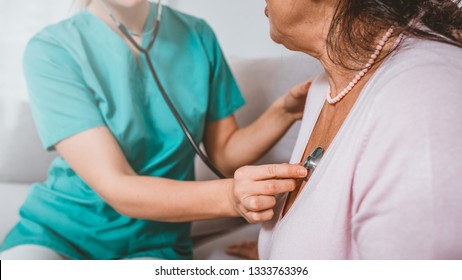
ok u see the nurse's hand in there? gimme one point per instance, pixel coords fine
(294, 101)
(255, 188)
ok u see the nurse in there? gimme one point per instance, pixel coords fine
(123, 186)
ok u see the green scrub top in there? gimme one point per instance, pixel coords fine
(82, 75)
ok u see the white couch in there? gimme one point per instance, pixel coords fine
(23, 160)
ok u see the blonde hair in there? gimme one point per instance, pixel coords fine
(83, 3)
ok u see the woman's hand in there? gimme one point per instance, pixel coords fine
(294, 101)
(231, 147)
(255, 188)
(247, 250)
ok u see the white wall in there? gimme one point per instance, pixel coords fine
(241, 26)
(20, 20)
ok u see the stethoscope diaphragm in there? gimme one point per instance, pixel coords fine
(312, 160)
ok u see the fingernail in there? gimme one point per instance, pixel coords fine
(302, 172)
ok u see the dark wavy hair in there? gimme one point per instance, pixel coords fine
(357, 24)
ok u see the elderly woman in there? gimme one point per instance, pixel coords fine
(387, 115)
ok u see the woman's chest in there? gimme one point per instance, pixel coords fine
(317, 226)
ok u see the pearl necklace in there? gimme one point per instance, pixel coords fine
(363, 72)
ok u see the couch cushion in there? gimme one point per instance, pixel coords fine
(22, 158)
(11, 198)
(262, 81)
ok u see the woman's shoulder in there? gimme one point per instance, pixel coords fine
(185, 21)
(60, 34)
(418, 87)
(427, 53)
(64, 28)
(53, 43)
(184, 18)
(419, 71)
(173, 14)
(423, 60)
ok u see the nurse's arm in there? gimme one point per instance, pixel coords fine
(231, 147)
(97, 158)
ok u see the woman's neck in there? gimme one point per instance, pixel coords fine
(134, 17)
(340, 77)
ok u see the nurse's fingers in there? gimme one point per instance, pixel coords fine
(259, 203)
(270, 171)
(269, 187)
(259, 217)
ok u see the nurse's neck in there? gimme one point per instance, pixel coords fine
(134, 16)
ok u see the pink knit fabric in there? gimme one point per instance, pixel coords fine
(389, 186)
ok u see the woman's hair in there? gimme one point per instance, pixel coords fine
(357, 24)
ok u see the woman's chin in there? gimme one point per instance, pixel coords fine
(277, 38)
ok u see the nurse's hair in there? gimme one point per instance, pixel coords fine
(83, 3)
(357, 24)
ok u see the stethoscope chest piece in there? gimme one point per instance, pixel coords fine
(313, 160)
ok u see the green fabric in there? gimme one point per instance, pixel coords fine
(82, 75)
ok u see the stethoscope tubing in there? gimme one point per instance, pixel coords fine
(145, 52)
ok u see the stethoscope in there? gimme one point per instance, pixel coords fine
(311, 161)
(128, 34)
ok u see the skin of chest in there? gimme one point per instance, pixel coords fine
(327, 126)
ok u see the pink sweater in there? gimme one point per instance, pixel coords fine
(389, 187)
